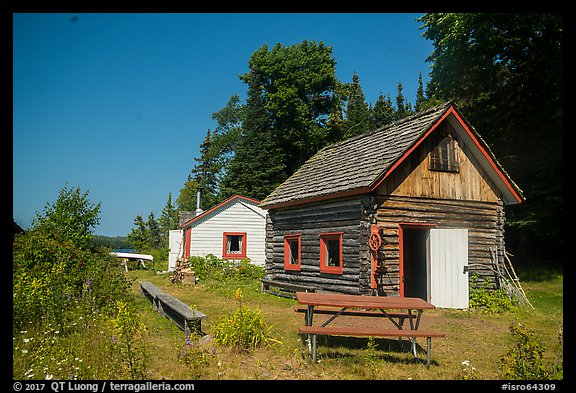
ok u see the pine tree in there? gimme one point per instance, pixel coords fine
(206, 171)
(401, 109)
(420, 99)
(258, 163)
(383, 113)
(168, 220)
(291, 94)
(334, 127)
(138, 237)
(358, 118)
(186, 200)
(153, 232)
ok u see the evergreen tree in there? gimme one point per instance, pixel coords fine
(402, 108)
(383, 113)
(334, 127)
(505, 72)
(186, 200)
(154, 238)
(420, 98)
(168, 220)
(228, 133)
(258, 162)
(206, 171)
(291, 95)
(138, 237)
(358, 118)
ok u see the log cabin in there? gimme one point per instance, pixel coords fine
(415, 208)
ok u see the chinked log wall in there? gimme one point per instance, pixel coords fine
(348, 216)
(484, 221)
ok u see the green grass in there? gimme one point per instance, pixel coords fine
(472, 348)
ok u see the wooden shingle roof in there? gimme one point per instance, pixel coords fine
(357, 165)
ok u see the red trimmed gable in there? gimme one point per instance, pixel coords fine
(218, 207)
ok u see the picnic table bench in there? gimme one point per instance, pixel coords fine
(286, 286)
(400, 316)
(365, 306)
(184, 316)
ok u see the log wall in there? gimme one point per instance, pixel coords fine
(484, 221)
(348, 216)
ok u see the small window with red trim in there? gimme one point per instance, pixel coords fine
(234, 245)
(292, 252)
(331, 253)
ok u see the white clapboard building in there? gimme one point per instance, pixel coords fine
(234, 229)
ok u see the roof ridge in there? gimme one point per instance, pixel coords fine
(387, 126)
(423, 112)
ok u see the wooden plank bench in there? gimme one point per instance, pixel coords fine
(401, 316)
(187, 318)
(287, 286)
(151, 291)
(313, 331)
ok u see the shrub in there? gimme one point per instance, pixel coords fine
(489, 301)
(68, 298)
(524, 360)
(244, 329)
(223, 269)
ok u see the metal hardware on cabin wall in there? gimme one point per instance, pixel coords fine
(465, 269)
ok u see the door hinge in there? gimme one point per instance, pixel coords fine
(465, 269)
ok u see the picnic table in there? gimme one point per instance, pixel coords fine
(394, 309)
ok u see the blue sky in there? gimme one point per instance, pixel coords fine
(118, 104)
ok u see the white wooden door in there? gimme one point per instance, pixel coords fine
(175, 248)
(449, 268)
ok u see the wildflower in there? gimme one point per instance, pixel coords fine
(24, 351)
(26, 340)
(238, 294)
(466, 363)
(49, 376)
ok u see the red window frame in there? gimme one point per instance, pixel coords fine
(324, 268)
(288, 265)
(225, 254)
